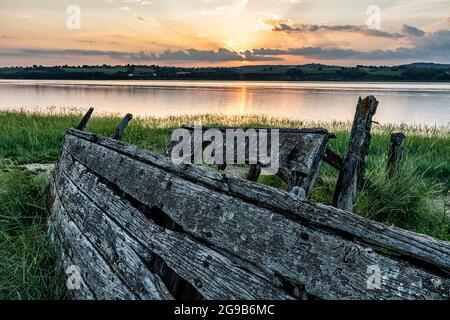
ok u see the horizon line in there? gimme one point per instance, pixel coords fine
(223, 67)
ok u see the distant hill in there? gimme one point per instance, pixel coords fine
(308, 72)
(428, 65)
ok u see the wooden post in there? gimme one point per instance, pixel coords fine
(254, 173)
(358, 148)
(395, 154)
(121, 128)
(85, 119)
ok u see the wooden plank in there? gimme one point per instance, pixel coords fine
(298, 147)
(213, 275)
(358, 148)
(84, 292)
(85, 119)
(96, 273)
(118, 133)
(122, 253)
(300, 154)
(400, 242)
(303, 253)
(395, 153)
(282, 130)
(333, 159)
(65, 263)
(126, 266)
(300, 165)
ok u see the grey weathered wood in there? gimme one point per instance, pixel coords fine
(400, 242)
(299, 192)
(85, 119)
(300, 154)
(254, 173)
(121, 252)
(333, 159)
(95, 271)
(282, 130)
(111, 217)
(358, 147)
(322, 249)
(300, 159)
(118, 133)
(395, 153)
(65, 263)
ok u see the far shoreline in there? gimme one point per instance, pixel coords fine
(228, 80)
(414, 72)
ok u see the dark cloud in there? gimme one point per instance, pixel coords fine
(315, 52)
(200, 55)
(413, 31)
(422, 47)
(221, 55)
(267, 52)
(320, 53)
(299, 28)
(432, 46)
(60, 53)
(248, 56)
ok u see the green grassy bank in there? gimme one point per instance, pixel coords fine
(414, 200)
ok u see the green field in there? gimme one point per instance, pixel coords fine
(309, 72)
(416, 199)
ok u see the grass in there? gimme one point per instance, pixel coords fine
(27, 258)
(413, 200)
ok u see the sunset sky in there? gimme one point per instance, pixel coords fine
(224, 32)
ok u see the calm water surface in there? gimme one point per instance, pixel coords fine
(412, 103)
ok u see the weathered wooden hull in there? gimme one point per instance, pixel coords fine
(141, 227)
(300, 153)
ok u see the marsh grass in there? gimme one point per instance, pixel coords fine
(27, 258)
(416, 199)
(35, 137)
(404, 201)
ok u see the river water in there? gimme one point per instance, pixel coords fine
(410, 103)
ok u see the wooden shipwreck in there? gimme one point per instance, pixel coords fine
(300, 153)
(138, 226)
